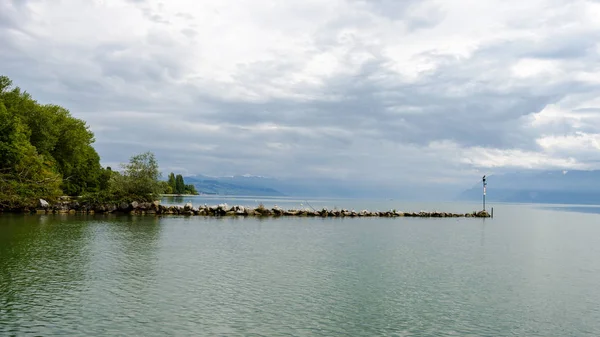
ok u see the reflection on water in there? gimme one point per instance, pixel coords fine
(574, 208)
(528, 272)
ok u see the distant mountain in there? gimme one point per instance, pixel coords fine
(236, 185)
(559, 187)
(309, 188)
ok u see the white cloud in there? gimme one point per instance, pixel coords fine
(576, 143)
(375, 90)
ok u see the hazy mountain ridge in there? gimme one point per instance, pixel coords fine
(561, 187)
(236, 185)
(311, 187)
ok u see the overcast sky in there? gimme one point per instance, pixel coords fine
(381, 90)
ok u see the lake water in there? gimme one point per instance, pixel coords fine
(530, 271)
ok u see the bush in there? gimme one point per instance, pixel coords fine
(139, 181)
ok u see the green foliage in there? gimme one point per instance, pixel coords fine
(140, 178)
(191, 189)
(45, 152)
(139, 181)
(64, 142)
(176, 185)
(166, 187)
(179, 184)
(104, 178)
(12, 139)
(172, 183)
(25, 175)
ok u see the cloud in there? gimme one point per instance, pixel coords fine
(387, 92)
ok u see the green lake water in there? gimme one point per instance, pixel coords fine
(530, 271)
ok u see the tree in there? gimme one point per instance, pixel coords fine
(165, 188)
(104, 179)
(172, 182)
(191, 189)
(141, 176)
(179, 184)
(25, 176)
(64, 142)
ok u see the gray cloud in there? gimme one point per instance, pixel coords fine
(376, 119)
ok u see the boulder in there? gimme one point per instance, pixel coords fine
(43, 204)
(188, 207)
(483, 214)
(134, 204)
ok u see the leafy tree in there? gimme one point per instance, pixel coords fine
(166, 188)
(172, 182)
(179, 184)
(104, 179)
(62, 140)
(139, 179)
(191, 189)
(12, 139)
(25, 176)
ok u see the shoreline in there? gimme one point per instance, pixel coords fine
(221, 210)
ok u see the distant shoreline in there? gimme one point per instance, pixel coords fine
(182, 195)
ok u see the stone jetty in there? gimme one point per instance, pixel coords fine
(221, 210)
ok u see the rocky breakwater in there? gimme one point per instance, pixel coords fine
(73, 207)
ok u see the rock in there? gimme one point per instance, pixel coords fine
(188, 207)
(123, 206)
(134, 204)
(482, 214)
(155, 205)
(43, 204)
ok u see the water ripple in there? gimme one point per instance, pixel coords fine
(95, 275)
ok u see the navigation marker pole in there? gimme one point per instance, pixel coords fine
(484, 185)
